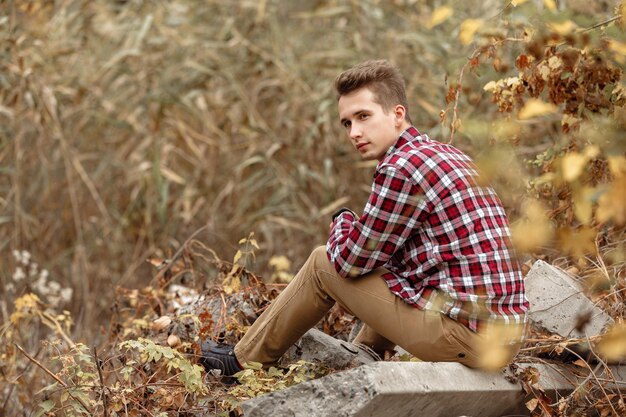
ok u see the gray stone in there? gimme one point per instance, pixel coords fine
(317, 346)
(188, 302)
(556, 302)
(356, 328)
(412, 389)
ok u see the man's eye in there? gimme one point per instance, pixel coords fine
(363, 116)
(346, 124)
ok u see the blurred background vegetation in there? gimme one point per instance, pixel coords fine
(126, 126)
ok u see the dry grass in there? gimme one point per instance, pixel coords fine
(126, 126)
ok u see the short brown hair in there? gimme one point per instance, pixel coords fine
(382, 78)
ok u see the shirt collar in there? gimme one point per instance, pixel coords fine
(410, 134)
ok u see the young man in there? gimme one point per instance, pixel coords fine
(427, 266)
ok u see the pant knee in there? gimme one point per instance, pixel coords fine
(319, 255)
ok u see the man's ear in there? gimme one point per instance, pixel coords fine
(399, 112)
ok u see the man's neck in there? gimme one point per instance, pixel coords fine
(404, 126)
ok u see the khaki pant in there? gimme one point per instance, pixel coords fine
(389, 321)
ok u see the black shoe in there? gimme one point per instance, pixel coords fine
(219, 356)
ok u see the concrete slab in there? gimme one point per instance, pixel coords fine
(556, 302)
(317, 346)
(410, 389)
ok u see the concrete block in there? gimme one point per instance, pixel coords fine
(317, 346)
(188, 301)
(556, 302)
(411, 389)
(357, 328)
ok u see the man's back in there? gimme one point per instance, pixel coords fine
(443, 237)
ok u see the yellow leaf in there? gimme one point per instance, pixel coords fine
(281, 269)
(237, 257)
(581, 363)
(563, 28)
(617, 165)
(532, 404)
(546, 178)
(504, 130)
(578, 243)
(490, 86)
(573, 165)
(494, 348)
(544, 71)
(516, 3)
(533, 230)
(280, 263)
(232, 285)
(613, 343)
(618, 93)
(26, 306)
(440, 15)
(611, 204)
(583, 204)
(570, 120)
(592, 151)
(550, 5)
(535, 108)
(619, 50)
(468, 30)
(555, 62)
(257, 366)
(617, 47)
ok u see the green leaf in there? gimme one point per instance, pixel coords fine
(253, 365)
(45, 407)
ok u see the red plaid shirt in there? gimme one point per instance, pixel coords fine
(443, 238)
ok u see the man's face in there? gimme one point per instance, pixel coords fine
(371, 130)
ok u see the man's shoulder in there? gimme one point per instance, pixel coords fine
(428, 163)
(423, 153)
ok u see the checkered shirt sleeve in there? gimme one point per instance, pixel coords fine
(390, 216)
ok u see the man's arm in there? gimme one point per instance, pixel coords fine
(395, 208)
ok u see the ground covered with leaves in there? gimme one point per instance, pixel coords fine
(145, 360)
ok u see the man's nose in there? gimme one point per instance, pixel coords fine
(355, 132)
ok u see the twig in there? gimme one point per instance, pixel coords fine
(39, 364)
(475, 54)
(102, 387)
(606, 22)
(180, 250)
(594, 376)
(608, 371)
(459, 82)
(9, 394)
(49, 372)
(54, 324)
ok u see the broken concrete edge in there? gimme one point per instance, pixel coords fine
(317, 346)
(399, 388)
(556, 301)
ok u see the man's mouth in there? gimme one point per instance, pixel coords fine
(360, 145)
